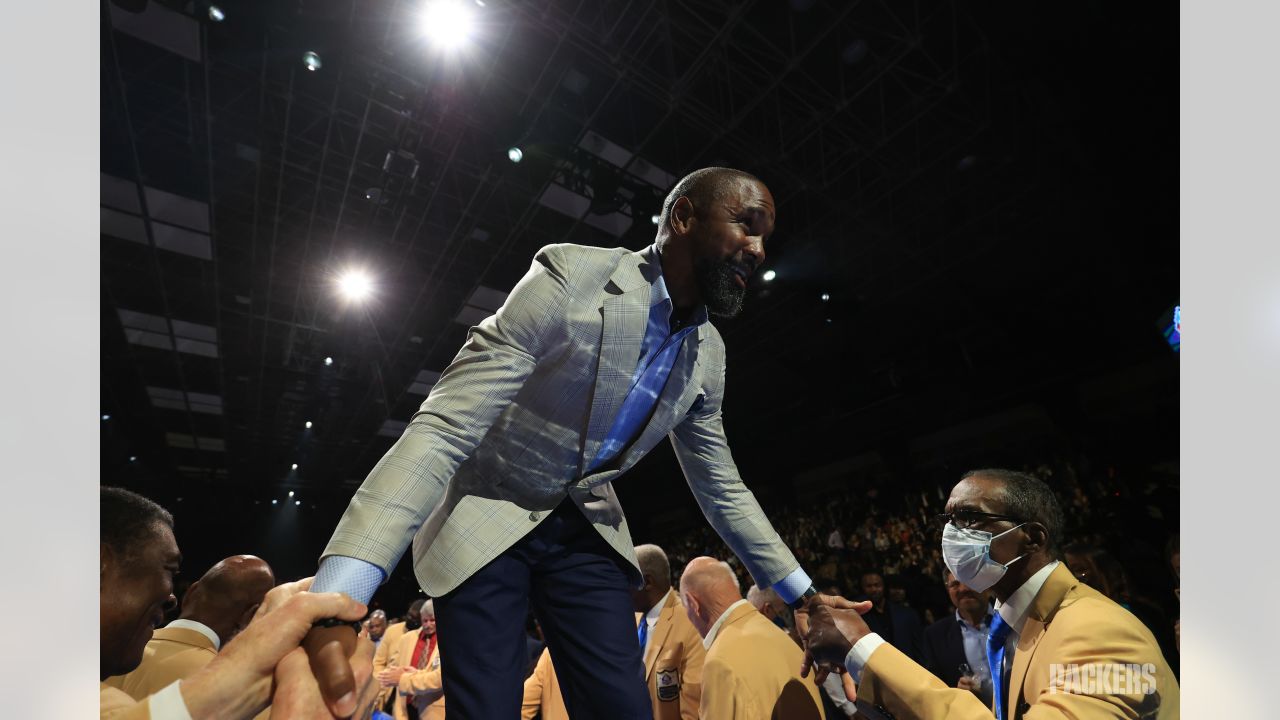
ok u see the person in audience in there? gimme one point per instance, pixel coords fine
(542, 696)
(893, 622)
(377, 627)
(417, 683)
(385, 656)
(215, 609)
(138, 557)
(751, 671)
(955, 647)
(1055, 648)
(672, 649)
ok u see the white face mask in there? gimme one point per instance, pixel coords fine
(967, 554)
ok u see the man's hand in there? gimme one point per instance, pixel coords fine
(391, 676)
(966, 683)
(830, 626)
(238, 682)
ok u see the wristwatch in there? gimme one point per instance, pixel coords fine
(799, 602)
(335, 622)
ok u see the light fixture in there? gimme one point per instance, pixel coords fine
(311, 60)
(655, 219)
(308, 424)
(769, 275)
(216, 14)
(355, 285)
(297, 503)
(106, 417)
(328, 361)
(274, 501)
(826, 297)
(133, 458)
(448, 23)
(515, 154)
(294, 466)
(290, 493)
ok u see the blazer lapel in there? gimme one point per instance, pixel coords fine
(625, 316)
(1043, 608)
(661, 630)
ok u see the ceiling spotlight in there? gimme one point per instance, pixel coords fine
(355, 285)
(274, 501)
(448, 23)
(308, 424)
(515, 154)
(297, 502)
(106, 417)
(294, 466)
(826, 297)
(133, 458)
(328, 361)
(769, 275)
(290, 493)
(216, 14)
(655, 219)
(311, 60)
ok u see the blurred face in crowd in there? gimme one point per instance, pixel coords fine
(135, 591)
(1083, 567)
(873, 587)
(966, 599)
(898, 595)
(377, 626)
(428, 620)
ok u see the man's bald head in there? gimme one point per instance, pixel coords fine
(226, 597)
(708, 587)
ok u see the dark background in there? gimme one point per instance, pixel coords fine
(987, 192)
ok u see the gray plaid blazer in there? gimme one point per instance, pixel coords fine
(515, 419)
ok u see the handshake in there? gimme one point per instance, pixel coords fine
(829, 626)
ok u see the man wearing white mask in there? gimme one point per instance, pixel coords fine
(1056, 648)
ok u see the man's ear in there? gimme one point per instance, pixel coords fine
(190, 593)
(1037, 537)
(682, 217)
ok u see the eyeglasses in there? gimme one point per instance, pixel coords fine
(965, 519)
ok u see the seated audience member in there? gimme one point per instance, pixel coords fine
(376, 626)
(955, 647)
(138, 557)
(895, 623)
(1100, 570)
(542, 697)
(672, 649)
(752, 669)
(1057, 648)
(417, 681)
(385, 656)
(214, 609)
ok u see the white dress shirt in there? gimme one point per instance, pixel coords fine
(651, 618)
(715, 627)
(1014, 613)
(199, 627)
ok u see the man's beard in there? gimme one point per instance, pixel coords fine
(718, 287)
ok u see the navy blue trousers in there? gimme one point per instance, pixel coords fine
(577, 587)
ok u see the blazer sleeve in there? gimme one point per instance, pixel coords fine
(727, 503)
(499, 355)
(893, 681)
(534, 687)
(721, 696)
(428, 681)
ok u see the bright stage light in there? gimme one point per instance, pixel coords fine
(311, 60)
(826, 297)
(290, 493)
(308, 424)
(515, 154)
(328, 361)
(655, 219)
(275, 502)
(297, 503)
(449, 23)
(355, 285)
(769, 275)
(216, 14)
(106, 417)
(294, 466)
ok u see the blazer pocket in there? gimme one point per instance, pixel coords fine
(697, 404)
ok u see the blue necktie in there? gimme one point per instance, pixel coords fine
(995, 660)
(643, 632)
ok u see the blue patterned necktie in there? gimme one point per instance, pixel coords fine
(643, 632)
(995, 660)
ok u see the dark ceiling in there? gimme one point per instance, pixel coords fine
(986, 193)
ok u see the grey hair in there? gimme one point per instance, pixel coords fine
(654, 563)
(1029, 499)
